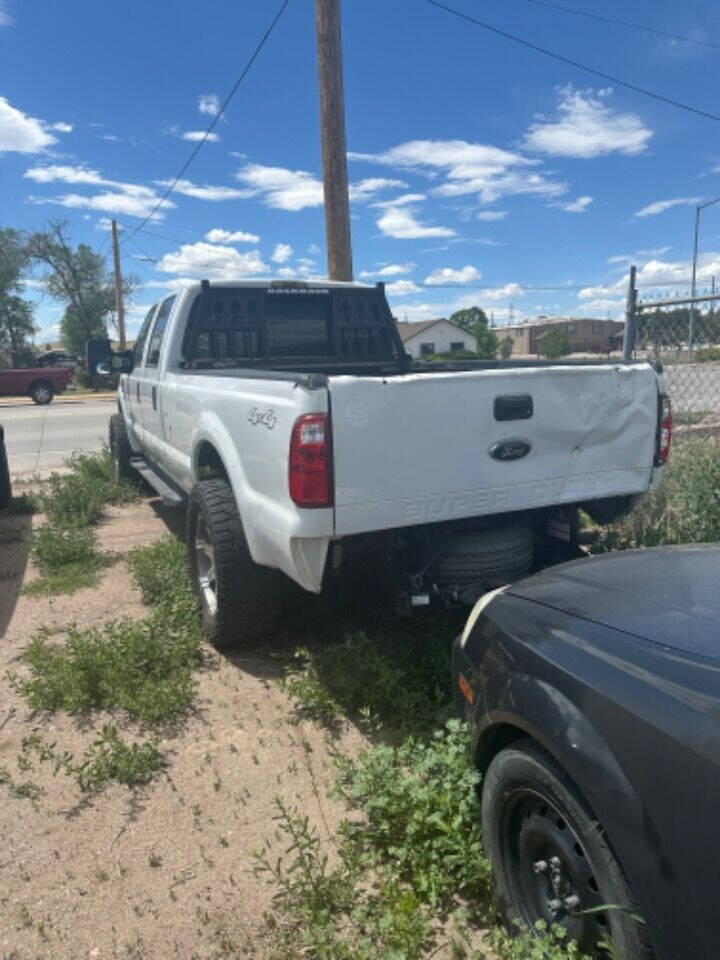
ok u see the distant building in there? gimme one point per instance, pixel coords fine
(586, 334)
(435, 336)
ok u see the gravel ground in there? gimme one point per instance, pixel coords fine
(164, 871)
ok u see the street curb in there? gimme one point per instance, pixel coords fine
(27, 402)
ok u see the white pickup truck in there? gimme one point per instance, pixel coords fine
(303, 438)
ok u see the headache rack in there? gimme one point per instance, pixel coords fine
(287, 325)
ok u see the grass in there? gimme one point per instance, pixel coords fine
(65, 551)
(684, 509)
(388, 676)
(144, 669)
(409, 876)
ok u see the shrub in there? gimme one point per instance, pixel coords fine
(160, 570)
(707, 354)
(684, 509)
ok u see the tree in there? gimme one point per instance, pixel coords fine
(475, 321)
(553, 343)
(16, 315)
(506, 347)
(79, 277)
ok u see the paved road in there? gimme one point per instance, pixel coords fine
(38, 439)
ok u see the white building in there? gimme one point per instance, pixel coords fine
(435, 336)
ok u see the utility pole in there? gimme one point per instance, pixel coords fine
(118, 288)
(334, 150)
(630, 317)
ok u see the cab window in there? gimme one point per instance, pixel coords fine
(158, 332)
(142, 337)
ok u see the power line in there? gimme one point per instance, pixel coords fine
(263, 40)
(625, 23)
(573, 63)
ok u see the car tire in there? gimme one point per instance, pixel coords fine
(5, 485)
(546, 846)
(240, 601)
(42, 392)
(486, 558)
(120, 449)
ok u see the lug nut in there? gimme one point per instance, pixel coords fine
(554, 905)
(571, 903)
(540, 866)
(555, 863)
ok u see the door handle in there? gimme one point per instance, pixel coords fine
(154, 398)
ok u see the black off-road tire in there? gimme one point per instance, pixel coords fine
(120, 449)
(525, 766)
(42, 392)
(5, 485)
(490, 558)
(248, 597)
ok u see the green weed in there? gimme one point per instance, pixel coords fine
(160, 570)
(24, 504)
(67, 558)
(25, 790)
(383, 678)
(143, 667)
(107, 760)
(684, 509)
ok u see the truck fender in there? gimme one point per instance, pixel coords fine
(211, 430)
(530, 706)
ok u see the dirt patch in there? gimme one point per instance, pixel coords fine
(165, 871)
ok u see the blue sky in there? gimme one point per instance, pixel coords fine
(478, 166)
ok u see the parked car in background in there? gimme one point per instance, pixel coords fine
(40, 383)
(304, 438)
(593, 696)
(56, 358)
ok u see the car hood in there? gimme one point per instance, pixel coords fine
(670, 595)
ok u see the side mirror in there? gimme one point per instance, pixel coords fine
(120, 362)
(104, 368)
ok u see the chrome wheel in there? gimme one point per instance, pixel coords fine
(205, 561)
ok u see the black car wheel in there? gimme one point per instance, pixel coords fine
(120, 449)
(42, 392)
(5, 486)
(240, 601)
(550, 859)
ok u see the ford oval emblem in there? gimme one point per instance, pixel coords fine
(513, 449)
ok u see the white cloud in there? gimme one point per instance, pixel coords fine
(364, 189)
(212, 262)
(314, 250)
(62, 127)
(410, 312)
(400, 223)
(5, 19)
(469, 168)
(131, 199)
(226, 236)
(450, 275)
(194, 136)
(209, 103)
(204, 191)
(132, 205)
(604, 306)
(660, 206)
(20, 133)
(390, 270)
(282, 253)
(638, 255)
(110, 138)
(510, 290)
(492, 215)
(402, 201)
(660, 273)
(586, 127)
(68, 174)
(401, 288)
(281, 188)
(576, 206)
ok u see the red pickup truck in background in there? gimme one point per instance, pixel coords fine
(40, 383)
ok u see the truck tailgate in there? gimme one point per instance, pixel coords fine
(416, 448)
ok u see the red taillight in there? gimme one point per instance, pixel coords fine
(310, 470)
(665, 429)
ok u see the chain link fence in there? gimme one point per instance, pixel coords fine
(682, 333)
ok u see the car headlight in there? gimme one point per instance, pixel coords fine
(477, 610)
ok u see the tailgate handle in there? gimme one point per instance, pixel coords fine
(513, 406)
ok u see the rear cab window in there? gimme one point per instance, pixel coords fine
(259, 325)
